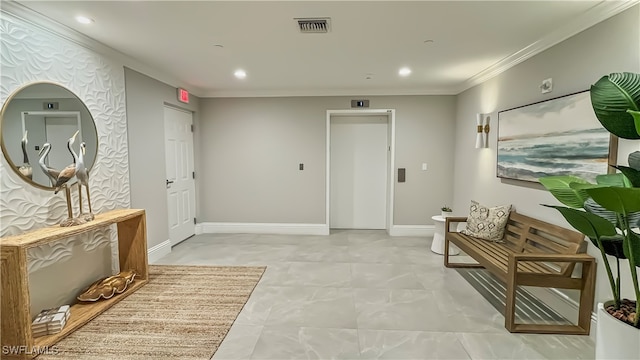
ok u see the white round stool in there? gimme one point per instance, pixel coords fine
(437, 246)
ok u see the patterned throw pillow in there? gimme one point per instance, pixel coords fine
(487, 223)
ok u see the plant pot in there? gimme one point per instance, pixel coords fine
(444, 214)
(615, 339)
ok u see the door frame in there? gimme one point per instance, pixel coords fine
(391, 134)
(53, 114)
(192, 114)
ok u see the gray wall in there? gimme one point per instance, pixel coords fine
(146, 98)
(251, 148)
(611, 46)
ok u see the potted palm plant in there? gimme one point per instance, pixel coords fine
(608, 213)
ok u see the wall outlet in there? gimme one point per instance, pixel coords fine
(424, 166)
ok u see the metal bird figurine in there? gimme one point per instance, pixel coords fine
(82, 174)
(70, 171)
(51, 173)
(63, 178)
(25, 169)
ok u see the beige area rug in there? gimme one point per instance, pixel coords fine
(183, 312)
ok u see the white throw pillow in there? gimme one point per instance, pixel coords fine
(487, 223)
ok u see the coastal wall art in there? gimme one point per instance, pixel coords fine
(560, 136)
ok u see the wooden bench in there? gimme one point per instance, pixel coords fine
(543, 254)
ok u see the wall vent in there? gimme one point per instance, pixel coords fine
(315, 25)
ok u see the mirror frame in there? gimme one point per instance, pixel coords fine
(12, 165)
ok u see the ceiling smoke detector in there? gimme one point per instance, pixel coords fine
(314, 25)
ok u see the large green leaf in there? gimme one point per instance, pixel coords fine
(619, 199)
(561, 187)
(636, 119)
(581, 190)
(613, 180)
(611, 97)
(631, 174)
(595, 228)
(632, 246)
(597, 209)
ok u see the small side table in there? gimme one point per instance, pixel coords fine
(438, 237)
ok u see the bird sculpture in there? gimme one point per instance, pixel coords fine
(63, 178)
(51, 173)
(82, 174)
(70, 171)
(25, 169)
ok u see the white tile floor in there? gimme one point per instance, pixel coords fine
(361, 294)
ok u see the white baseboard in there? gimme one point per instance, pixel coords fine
(199, 229)
(412, 230)
(158, 251)
(263, 228)
(563, 304)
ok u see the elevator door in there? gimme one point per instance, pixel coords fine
(358, 172)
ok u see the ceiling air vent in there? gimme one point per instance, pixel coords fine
(315, 25)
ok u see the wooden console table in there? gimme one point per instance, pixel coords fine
(14, 295)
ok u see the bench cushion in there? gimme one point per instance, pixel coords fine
(487, 223)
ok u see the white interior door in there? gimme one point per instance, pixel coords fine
(181, 193)
(359, 162)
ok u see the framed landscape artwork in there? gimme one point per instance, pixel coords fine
(560, 136)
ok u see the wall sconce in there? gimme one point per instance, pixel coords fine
(483, 128)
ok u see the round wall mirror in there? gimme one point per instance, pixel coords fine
(45, 113)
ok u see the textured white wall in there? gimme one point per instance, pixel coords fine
(30, 53)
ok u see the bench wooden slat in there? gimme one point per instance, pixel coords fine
(549, 329)
(490, 264)
(544, 243)
(536, 243)
(513, 236)
(550, 281)
(538, 268)
(500, 254)
(557, 231)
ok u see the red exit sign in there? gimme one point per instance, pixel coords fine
(183, 95)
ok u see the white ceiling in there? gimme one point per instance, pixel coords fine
(471, 41)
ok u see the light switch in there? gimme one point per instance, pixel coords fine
(424, 166)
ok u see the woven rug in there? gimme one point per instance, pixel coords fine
(183, 312)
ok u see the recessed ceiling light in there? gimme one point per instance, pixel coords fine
(84, 20)
(240, 74)
(405, 71)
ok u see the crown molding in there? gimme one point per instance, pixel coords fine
(42, 22)
(598, 13)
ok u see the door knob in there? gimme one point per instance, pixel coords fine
(169, 182)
